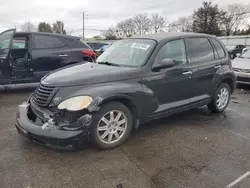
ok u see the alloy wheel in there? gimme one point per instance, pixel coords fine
(112, 127)
(222, 98)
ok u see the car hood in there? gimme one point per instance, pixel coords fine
(241, 63)
(89, 73)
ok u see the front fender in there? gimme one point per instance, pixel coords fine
(131, 91)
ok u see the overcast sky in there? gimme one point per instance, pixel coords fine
(100, 14)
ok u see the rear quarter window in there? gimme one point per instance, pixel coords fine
(219, 48)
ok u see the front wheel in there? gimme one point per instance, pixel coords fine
(111, 126)
(220, 98)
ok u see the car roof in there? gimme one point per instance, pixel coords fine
(48, 34)
(161, 36)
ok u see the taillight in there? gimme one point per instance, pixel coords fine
(89, 52)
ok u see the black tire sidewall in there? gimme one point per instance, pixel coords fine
(223, 85)
(98, 115)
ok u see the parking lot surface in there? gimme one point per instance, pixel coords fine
(191, 149)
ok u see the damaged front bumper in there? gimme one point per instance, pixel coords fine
(50, 134)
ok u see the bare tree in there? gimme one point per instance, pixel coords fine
(157, 22)
(234, 16)
(110, 34)
(183, 24)
(29, 27)
(125, 28)
(141, 23)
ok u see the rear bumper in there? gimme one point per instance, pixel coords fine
(53, 137)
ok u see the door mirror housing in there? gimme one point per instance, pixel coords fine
(164, 64)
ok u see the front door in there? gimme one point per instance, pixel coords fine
(204, 63)
(20, 58)
(171, 85)
(5, 60)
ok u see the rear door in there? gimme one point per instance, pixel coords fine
(48, 53)
(204, 63)
(5, 60)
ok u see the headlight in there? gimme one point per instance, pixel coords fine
(75, 103)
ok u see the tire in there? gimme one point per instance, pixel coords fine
(214, 105)
(100, 128)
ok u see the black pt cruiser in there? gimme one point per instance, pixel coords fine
(136, 80)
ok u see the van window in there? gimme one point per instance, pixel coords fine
(200, 50)
(219, 48)
(43, 41)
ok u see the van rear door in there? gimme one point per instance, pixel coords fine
(5, 63)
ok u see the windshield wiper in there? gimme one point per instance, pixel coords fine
(108, 63)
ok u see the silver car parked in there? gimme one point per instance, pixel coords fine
(241, 66)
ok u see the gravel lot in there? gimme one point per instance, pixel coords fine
(192, 149)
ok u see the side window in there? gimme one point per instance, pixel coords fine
(219, 48)
(200, 50)
(174, 50)
(43, 41)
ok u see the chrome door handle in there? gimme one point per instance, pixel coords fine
(217, 66)
(187, 73)
(63, 55)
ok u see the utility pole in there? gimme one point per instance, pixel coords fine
(83, 26)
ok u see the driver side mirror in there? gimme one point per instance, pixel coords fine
(164, 64)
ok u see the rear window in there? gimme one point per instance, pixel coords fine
(219, 48)
(43, 41)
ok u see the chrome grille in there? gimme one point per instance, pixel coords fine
(43, 95)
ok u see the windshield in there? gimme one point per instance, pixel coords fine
(128, 52)
(246, 55)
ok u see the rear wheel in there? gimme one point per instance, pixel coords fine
(111, 126)
(220, 98)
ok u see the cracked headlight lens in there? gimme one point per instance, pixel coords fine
(75, 103)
